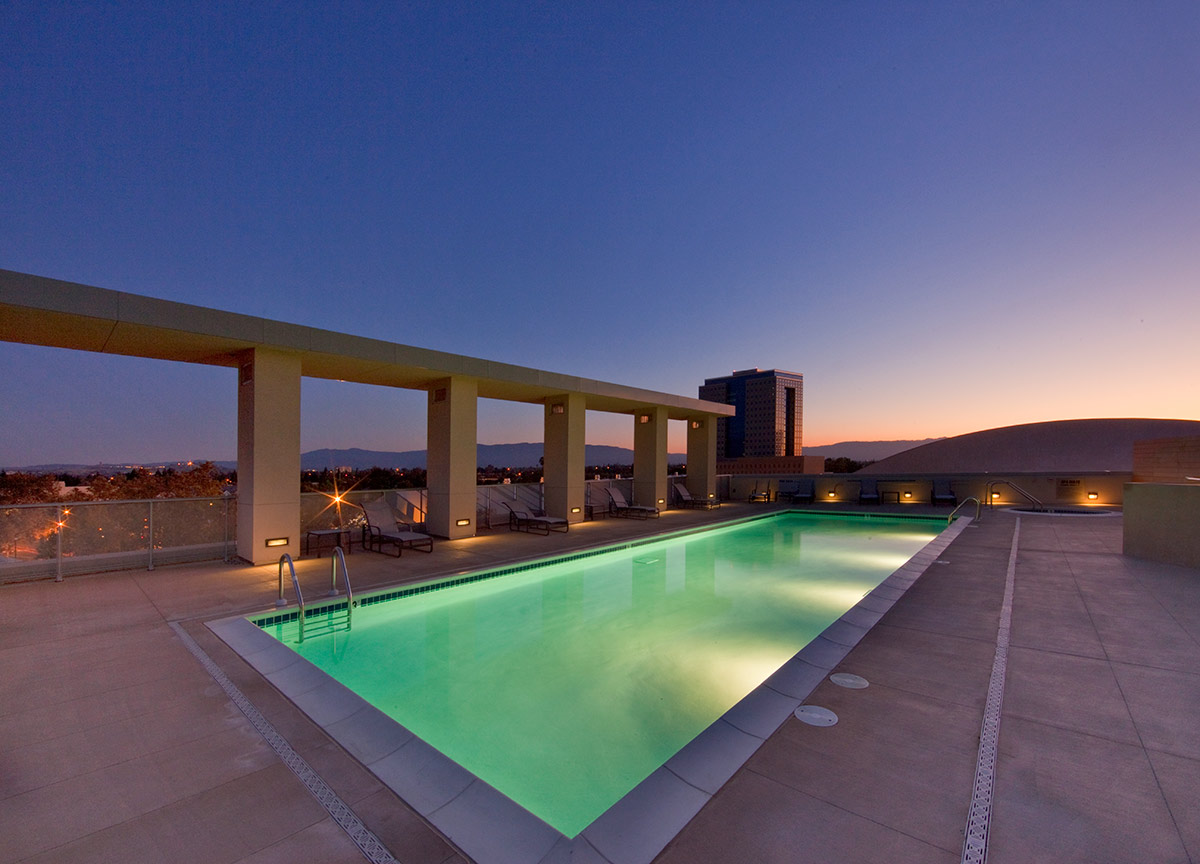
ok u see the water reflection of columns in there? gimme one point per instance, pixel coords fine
(649, 576)
(700, 568)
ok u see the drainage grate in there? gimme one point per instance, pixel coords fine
(362, 836)
(980, 815)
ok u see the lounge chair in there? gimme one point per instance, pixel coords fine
(522, 520)
(763, 496)
(943, 492)
(382, 527)
(619, 507)
(868, 492)
(796, 491)
(685, 498)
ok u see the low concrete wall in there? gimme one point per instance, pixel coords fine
(1162, 522)
(1055, 490)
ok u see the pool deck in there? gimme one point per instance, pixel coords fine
(117, 745)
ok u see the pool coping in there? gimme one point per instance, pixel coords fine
(490, 827)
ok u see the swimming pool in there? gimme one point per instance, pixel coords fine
(566, 685)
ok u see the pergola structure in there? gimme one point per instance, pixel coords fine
(272, 356)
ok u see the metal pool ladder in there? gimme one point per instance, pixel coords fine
(964, 503)
(337, 556)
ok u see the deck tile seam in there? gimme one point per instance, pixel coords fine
(1129, 710)
(972, 704)
(175, 803)
(370, 845)
(145, 754)
(1164, 606)
(1174, 671)
(852, 812)
(940, 633)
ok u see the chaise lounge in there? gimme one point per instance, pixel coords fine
(382, 527)
(523, 520)
(619, 507)
(796, 491)
(943, 492)
(685, 498)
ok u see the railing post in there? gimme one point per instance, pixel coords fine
(225, 540)
(150, 537)
(58, 554)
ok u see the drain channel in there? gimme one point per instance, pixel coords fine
(980, 815)
(362, 836)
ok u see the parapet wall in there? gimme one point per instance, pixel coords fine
(1073, 490)
(1162, 522)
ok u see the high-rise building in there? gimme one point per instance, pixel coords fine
(766, 434)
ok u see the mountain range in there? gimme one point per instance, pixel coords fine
(499, 455)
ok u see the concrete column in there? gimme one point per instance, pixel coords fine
(451, 457)
(268, 455)
(650, 457)
(564, 456)
(702, 456)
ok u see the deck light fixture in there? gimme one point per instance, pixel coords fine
(907, 494)
(576, 509)
(995, 495)
(697, 424)
(1092, 496)
(832, 493)
(662, 500)
(462, 523)
(643, 418)
(558, 408)
(276, 541)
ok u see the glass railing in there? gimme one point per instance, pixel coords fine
(40, 540)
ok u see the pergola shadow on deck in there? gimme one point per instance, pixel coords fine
(119, 746)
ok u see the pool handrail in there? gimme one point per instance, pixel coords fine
(338, 555)
(965, 502)
(285, 557)
(991, 486)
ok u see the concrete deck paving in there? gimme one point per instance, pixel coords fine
(117, 745)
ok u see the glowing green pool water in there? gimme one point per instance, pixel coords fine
(566, 685)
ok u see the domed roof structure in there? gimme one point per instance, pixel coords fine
(1059, 446)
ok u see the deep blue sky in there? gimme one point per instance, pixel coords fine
(947, 216)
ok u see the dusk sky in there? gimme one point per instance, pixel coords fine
(946, 216)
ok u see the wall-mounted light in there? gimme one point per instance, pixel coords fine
(462, 523)
(643, 418)
(907, 494)
(558, 408)
(439, 395)
(832, 493)
(697, 424)
(1092, 496)
(662, 500)
(995, 495)
(277, 541)
(576, 509)
(712, 494)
